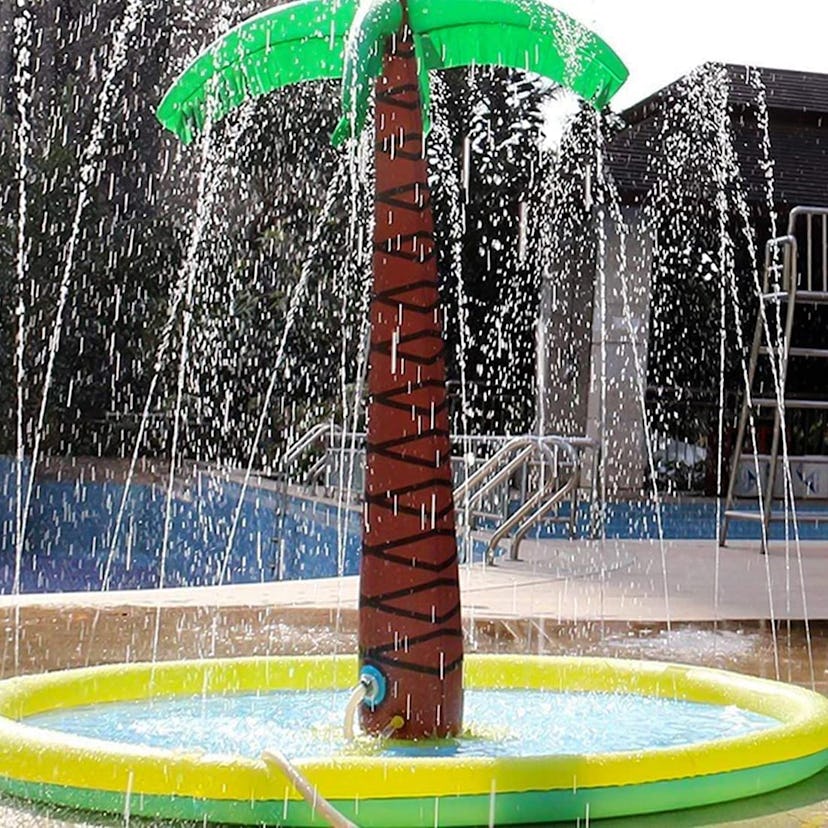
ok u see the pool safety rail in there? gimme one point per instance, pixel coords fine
(795, 275)
(380, 790)
(503, 486)
(554, 464)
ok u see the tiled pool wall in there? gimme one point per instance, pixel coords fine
(687, 520)
(70, 525)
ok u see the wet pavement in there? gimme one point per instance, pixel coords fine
(566, 599)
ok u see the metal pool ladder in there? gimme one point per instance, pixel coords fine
(795, 274)
(550, 470)
(556, 462)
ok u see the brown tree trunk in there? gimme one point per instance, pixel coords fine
(410, 628)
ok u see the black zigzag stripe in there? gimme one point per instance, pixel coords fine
(413, 562)
(409, 438)
(414, 640)
(421, 410)
(406, 288)
(424, 617)
(431, 483)
(423, 310)
(393, 96)
(421, 197)
(385, 349)
(400, 89)
(407, 592)
(385, 449)
(390, 298)
(411, 461)
(379, 550)
(398, 508)
(420, 668)
(410, 388)
(384, 346)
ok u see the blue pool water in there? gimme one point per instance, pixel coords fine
(688, 520)
(499, 723)
(68, 536)
(70, 523)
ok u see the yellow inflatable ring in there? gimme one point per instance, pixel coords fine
(382, 791)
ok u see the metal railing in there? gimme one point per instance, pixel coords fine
(504, 486)
(558, 466)
(796, 272)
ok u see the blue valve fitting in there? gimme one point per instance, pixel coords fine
(376, 685)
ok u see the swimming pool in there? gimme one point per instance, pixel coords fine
(68, 537)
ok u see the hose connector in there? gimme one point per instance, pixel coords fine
(375, 683)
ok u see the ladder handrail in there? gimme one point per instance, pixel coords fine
(300, 446)
(789, 290)
(803, 210)
(537, 516)
(315, 470)
(460, 492)
(516, 453)
(518, 442)
(502, 476)
(517, 519)
(788, 244)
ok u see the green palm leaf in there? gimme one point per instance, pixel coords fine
(532, 36)
(315, 39)
(289, 44)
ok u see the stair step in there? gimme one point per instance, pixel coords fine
(814, 297)
(772, 402)
(801, 517)
(735, 514)
(777, 517)
(807, 353)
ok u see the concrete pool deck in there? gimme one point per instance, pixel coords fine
(568, 581)
(580, 598)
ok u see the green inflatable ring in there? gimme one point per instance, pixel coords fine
(382, 791)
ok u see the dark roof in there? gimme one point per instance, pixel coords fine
(798, 129)
(786, 90)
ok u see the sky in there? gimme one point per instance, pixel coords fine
(661, 40)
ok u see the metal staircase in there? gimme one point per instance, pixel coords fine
(796, 275)
(550, 468)
(504, 486)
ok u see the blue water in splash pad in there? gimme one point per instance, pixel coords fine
(499, 723)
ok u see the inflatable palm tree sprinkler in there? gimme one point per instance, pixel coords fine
(410, 635)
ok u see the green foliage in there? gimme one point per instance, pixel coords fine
(285, 255)
(116, 286)
(499, 113)
(269, 229)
